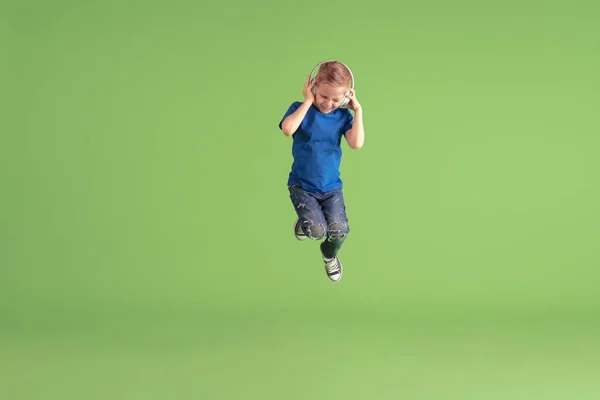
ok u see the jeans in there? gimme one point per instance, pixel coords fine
(322, 216)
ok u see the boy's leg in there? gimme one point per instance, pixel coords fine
(334, 210)
(312, 219)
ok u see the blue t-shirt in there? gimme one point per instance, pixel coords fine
(316, 148)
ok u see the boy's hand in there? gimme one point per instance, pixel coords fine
(307, 91)
(353, 104)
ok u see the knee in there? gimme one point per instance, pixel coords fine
(315, 231)
(338, 230)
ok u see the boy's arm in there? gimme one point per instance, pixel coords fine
(291, 123)
(355, 136)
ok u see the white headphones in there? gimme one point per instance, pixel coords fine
(315, 72)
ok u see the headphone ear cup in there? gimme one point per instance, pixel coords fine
(346, 100)
(314, 88)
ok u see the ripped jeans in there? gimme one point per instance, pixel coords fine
(323, 216)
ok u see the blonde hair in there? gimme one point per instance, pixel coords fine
(334, 73)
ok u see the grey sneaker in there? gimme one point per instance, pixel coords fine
(333, 267)
(298, 230)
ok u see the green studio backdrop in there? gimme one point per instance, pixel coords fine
(146, 244)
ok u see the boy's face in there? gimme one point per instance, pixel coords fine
(329, 97)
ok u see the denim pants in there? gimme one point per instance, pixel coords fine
(322, 216)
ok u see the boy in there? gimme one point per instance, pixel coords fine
(317, 126)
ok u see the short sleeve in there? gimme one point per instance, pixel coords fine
(290, 110)
(349, 122)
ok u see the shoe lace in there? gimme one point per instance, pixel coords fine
(332, 266)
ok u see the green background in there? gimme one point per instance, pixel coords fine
(146, 230)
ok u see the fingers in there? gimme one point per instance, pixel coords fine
(351, 95)
(309, 84)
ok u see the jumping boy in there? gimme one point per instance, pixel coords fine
(317, 126)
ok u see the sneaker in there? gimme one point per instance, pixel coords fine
(298, 230)
(333, 267)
